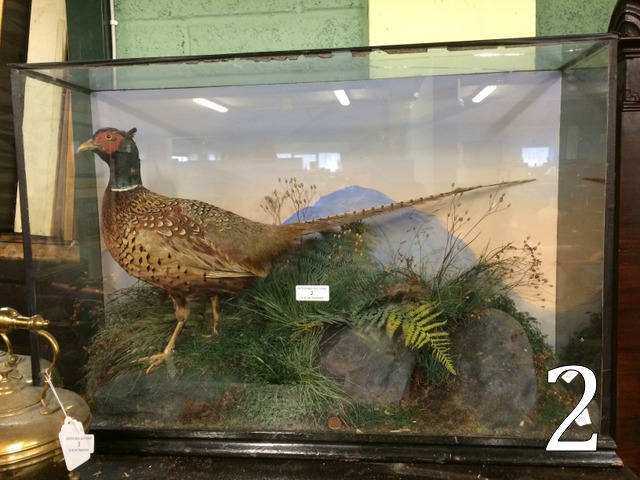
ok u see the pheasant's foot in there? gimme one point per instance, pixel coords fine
(155, 361)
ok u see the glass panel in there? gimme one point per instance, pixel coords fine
(339, 65)
(440, 319)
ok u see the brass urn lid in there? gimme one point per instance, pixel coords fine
(31, 417)
(14, 396)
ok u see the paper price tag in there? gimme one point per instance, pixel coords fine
(77, 446)
(312, 293)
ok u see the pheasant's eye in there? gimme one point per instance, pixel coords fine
(108, 136)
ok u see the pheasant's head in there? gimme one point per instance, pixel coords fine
(107, 141)
(118, 149)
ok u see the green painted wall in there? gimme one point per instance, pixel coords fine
(150, 28)
(568, 17)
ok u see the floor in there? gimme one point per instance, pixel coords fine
(195, 468)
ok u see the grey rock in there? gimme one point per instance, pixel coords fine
(371, 367)
(496, 376)
(153, 400)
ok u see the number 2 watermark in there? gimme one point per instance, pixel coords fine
(570, 372)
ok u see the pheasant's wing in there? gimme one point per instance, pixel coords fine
(194, 234)
(191, 251)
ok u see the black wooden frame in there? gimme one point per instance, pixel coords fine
(397, 448)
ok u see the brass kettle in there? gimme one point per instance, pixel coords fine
(31, 417)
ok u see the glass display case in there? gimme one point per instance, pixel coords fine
(385, 253)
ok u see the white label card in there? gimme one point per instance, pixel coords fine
(569, 375)
(583, 419)
(77, 446)
(312, 293)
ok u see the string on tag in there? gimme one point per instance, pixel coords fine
(76, 446)
(47, 378)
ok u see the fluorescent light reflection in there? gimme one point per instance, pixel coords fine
(493, 54)
(212, 105)
(342, 97)
(484, 93)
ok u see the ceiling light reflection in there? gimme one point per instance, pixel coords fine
(212, 105)
(484, 93)
(342, 97)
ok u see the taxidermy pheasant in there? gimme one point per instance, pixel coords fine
(187, 247)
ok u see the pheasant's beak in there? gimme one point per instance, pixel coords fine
(87, 146)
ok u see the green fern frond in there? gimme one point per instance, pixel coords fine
(417, 323)
(441, 349)
(421, 330)
(373, 316)
(393, 323)
(442, 356)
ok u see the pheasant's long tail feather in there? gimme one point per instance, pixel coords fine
(326, 223)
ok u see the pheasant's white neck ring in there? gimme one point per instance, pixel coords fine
(124, 189)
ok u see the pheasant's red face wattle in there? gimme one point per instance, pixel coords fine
(108, 141)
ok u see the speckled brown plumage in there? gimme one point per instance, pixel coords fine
(187, 247)
(184, 247)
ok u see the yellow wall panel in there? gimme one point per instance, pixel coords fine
(393, 22)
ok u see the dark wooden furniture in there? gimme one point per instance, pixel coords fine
(626, 22)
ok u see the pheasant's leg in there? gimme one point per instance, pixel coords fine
(168, 350)
(216, 315)
(182, 312)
